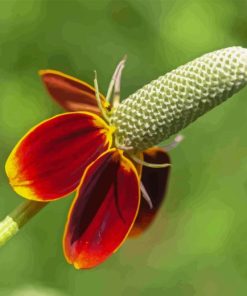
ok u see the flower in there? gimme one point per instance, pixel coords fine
(100, 152)
(75, 151)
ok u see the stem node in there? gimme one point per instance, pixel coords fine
(19, 217)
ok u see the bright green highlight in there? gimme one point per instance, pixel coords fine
(8, 228)
(19, 217)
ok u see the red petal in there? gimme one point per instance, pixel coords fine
(103, 211)
(155, 182)
(49, 161)
(71, 93)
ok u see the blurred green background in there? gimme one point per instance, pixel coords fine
(198, 244)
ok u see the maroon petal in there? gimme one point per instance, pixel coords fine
(71, 93)
(103, 211)
(48, 162)
(155, 181)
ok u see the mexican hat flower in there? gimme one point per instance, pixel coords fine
(77, 139)
(108, 154)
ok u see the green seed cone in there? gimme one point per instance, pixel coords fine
(168, 104)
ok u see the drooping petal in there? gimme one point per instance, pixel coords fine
(155, 181)
(71, 93)
(103, 211)
(48, 162)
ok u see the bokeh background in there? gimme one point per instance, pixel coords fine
(198, 243)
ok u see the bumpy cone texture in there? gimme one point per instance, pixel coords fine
(168, 104)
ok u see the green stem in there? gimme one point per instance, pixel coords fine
(17, 218)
